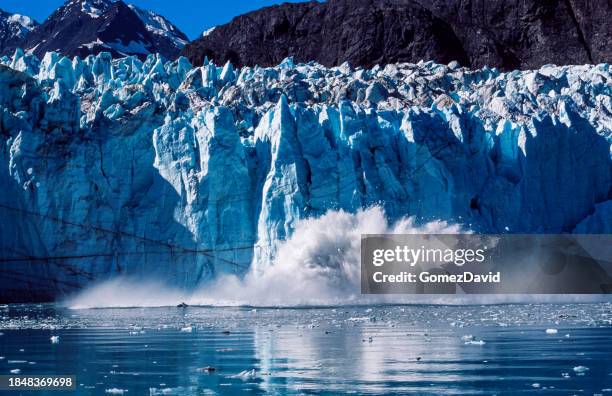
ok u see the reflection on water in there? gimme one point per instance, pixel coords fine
(384, 349)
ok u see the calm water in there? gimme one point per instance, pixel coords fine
(358, 350)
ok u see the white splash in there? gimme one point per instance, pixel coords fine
(319, 265)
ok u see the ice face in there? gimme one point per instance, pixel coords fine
(127, 167)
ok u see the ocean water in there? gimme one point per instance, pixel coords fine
(410, 349)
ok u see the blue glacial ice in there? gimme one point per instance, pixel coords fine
(183, 173)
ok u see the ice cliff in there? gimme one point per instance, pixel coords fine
(179, 173)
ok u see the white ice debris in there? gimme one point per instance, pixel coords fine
(15, 371)
(581, 369)
(475, 342)
(187, 329)
(55, 339)
(115, 391)
(246, 374)
(551, 331)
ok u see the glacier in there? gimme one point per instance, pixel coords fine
(182, 174)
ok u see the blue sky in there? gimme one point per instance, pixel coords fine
(191, 16)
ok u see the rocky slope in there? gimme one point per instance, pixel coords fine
(14, 28)
(112, 167)
(84, 27)
(504, 34)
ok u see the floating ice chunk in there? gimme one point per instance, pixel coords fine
(15, 371)
(163, 391)
(581, 369)
(474, 342)
(187, 329)
(551, 331)
(535, 385)
(55, 339)
(467, 337)
(115, 391)
(565, 375)
(246, 374)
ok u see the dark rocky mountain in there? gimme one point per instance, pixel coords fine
(83, 27)
(507, 34)
(530, 33)
(13, 28)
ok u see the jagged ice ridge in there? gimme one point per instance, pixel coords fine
(183, 173)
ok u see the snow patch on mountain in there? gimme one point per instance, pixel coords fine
(188, 173)
(208, 31)
(95, 8)
(13, 28)
(133, 47)
(160, 26)
(84, 27)
(93, 44)
(24, 24)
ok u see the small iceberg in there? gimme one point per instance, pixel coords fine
(581, 369)
(551, 331)
(467, 337)
(166, 391)
(15, 371)
(54, 339)
(187, 329)
(115, 391)
(245, 374)
(474, 342)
